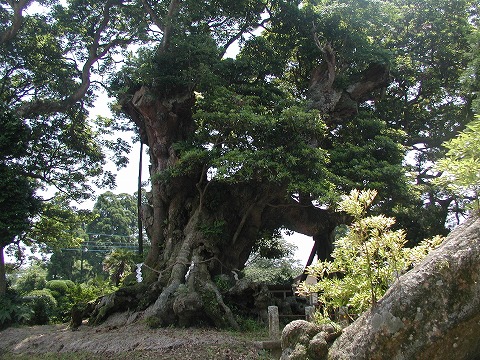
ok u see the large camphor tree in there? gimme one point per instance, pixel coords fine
(240, 148)
(329, 97)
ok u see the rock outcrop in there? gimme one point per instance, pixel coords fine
(431, 312)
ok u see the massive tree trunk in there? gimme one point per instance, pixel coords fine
(200, 228)
(3, 279)
(431, 312)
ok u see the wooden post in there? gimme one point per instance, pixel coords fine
(273, 322)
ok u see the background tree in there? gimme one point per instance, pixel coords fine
(114, 227)
(118, 264)
(460, 166)
(272, 262)
(49, 52)
(17, 200)
(81, 247)
(427, 99)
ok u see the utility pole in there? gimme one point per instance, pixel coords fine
(139, 201)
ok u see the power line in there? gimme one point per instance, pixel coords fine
(111, 235)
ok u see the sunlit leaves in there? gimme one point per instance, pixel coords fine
(59, 225)
(461, 165)
(244, 141)
(114, 214)
(366, 261)
(357, 202)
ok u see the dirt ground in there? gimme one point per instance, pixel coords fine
(133, 341)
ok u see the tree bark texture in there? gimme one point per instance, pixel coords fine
(3, 279)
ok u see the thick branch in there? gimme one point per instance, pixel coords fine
(168, 29)
(153, 16)
(94, 55)
(239, 34)
(96, 51)
(326, 76)
(18, 7)
(308, 220)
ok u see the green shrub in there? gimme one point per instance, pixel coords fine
(42, 304)
(60, 287)
(366, 261)
(32, 278)
(13, 311)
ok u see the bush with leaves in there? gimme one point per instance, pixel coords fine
(366, 261)
(13, 310)
(43, 305)
(32, 278)
(62, 291)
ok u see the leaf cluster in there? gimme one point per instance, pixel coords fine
(460, 166)
(366, 261)
(239, 141)
(18, 203)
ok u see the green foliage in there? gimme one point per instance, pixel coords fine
(279, 272)
(45, 93)
(31, 278)
(187, 63)
(367, 153)
(214, 230)
(248, 325)
(79, 250)
(273, 262)
(14, 311)
(241, 140)
(430, 98)
(34, 301)
(119, 263)
(18, 203)
(366, 261)
(59, 225)
(62, 291)
(43, 304)
(114, 214)
(461, 164)
(59, 287)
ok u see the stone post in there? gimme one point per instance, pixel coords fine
(309, 310)
(273, 322)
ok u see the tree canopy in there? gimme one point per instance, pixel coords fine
(323, 96)
(49, 54)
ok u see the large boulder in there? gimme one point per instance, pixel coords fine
(302, 340)
(432, 312)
